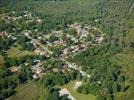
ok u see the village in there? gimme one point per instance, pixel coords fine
(55, 45)
(66, 49)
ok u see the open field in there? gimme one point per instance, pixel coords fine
(16, 52)
(70, 87)
(28, 91)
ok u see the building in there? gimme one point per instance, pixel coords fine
(2, 34)
(14, 69)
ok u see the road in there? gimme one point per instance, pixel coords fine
(39, 44)
(70, 65)
(74, 66)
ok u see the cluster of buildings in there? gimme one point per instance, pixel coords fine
(14, 69)
(27, 16)
(40, 51)
(78, 40)
(37, 70)
(72, 49)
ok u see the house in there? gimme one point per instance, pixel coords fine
(37, 70)
(75, 48)
(35, 76)
(39, 38)
(59, 42)
(55, 69)
(13, 12)
(14, 69)
(2, 34)
(96, 20)
(64, 66)
(82, 46)
(39, 20)
(64, 91)
(14, 38)
(39, 51)
(100, 39)
(77, 84)
(77, 27)
(99, 82)
(65, 51)
(20, 17)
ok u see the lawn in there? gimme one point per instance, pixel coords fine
(1, 60)
(28, 91)
(75, 94)
(17, 52)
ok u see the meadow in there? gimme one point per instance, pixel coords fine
(70, 87)
(18, 52)
(27, 91)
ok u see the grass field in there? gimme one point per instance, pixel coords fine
(28, 91)
(75, 94)
(16, 52)
(1, 60)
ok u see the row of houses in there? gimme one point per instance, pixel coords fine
(26, 16)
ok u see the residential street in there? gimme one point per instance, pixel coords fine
(70, 65)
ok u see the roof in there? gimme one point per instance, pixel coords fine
(14, 69)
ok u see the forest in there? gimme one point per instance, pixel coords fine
(110, 64)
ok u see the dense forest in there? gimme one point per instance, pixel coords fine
(110, 64)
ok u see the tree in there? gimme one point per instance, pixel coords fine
(79, 76)
(71, 31)
(100, 98)
(121, 78)
(84, 90)
(115, 87)
(52, 38)
(79, 89)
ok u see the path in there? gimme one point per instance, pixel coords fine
(74, 66)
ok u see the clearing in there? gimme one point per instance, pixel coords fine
(28, 91)
(17, 52)
(70, 87)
